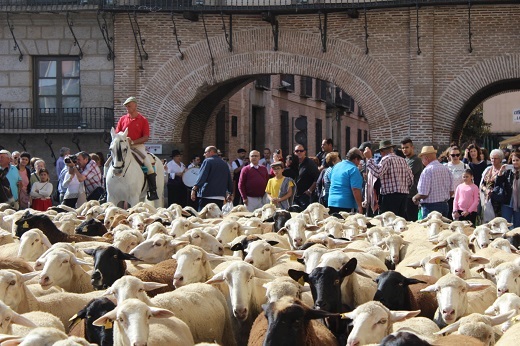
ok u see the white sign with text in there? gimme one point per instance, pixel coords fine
(516, 115)
(154, 148)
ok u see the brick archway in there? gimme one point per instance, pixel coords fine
(179, 85)
(485, 79)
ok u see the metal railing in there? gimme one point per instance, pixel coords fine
(228, 6)
(88, 118)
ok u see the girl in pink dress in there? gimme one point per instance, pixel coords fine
(466, 200)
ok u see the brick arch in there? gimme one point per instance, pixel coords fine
(485, 79)
(181, 84)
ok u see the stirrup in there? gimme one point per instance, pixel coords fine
(152, 196)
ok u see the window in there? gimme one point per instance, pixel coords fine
(284, 131)
(263, 82)
(57, 82)
(347, 139)
(321, 90)
(57, 92)
(287, 82)
(306, 86)
(359, 139)
(318, 135)
(365, 136)
(234, 125)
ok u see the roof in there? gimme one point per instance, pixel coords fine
(510, 141)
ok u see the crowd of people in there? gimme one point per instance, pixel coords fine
(25, 181)
(460, 184)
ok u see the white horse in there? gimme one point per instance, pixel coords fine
(125, 179)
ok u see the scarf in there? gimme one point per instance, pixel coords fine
(284, 189)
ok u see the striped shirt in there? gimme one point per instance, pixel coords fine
(393, 172)
(93, 175)
(436, 182)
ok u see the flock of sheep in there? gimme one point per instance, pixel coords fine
(145, 276)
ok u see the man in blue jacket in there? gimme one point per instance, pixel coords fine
(214, 184)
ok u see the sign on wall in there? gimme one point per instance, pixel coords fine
(516, 115)
(156, 148)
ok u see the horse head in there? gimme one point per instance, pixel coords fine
(120, 148)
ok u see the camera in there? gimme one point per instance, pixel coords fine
(71, 158)
(278, 151)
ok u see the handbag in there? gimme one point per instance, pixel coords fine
(488, 211)
(498, 195)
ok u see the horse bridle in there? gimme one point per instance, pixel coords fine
(119, 156)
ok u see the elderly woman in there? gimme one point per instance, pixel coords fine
(509, 180)
(488, 182)
(331, 159)
(39, 164)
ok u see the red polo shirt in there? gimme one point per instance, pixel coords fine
(137, 127)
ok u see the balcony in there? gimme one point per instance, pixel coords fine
(43, 120)
(228, 6)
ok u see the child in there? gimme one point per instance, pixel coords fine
(41, 192)
(466, 199)
(280, 189)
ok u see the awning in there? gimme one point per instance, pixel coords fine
(510, 141)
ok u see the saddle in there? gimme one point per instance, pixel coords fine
(140, 159)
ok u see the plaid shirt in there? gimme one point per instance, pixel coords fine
(436, 182)
(93, 174)
(393, 172)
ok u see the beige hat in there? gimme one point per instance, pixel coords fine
(130, 99)
(277, 164)
(427, 150)
(3, 151)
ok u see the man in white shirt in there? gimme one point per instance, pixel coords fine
(266, 160)
(237, 166)
(176, 189)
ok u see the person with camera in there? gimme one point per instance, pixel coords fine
(86, 171)
(72, 190)
(138, 133)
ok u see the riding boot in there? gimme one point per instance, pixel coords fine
(152, 187)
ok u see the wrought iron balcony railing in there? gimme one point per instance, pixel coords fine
(89, 118)
(227, 6)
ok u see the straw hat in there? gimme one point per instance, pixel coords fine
(427, 150)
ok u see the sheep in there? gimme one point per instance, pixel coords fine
(454, 301)
(46, 336)
(506, 302)
(482, 236)
(459, 261)
(81, 324)
(511, 336)
(16, 264)
(434, 215)
(132, 325)
(435, 226)
(14, 292)
(33, 244)
(290, 322)
(373, 321)
(506, 275)
(6, 237)
(198, 304)
(499, 225)
(286, 286)
(317, 212)
(210, 211)
(204, 240)
(246, 294)
(399, 224)
(393, 243)
(42, 222)
(478, 326)
(9, 317)
(91, 228)
(386, 218)
(156, 249)
(38, 319)
(434, 269)
(398, 292)
(60, 268)
(262, 255)
(267, 211)
(295, 230)
(454, 240)
(504, 245)
(459, 226)
(127, 240)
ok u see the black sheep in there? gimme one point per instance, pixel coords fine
(96, 308)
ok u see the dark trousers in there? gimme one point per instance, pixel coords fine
(204, 201)
(450, 208)
(441, 207)
(94, 195)
(411, 210)
(470, 217)
(70, 202)
(303, 201)
(394, 202)
(176, 192)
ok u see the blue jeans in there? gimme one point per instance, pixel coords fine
(511, 216)
(441, 207)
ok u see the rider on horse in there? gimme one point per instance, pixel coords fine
(139, 132)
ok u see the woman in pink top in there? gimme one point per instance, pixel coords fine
(466, 199)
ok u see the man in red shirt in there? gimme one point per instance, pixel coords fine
(139, 132)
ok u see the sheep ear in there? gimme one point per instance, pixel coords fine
(216, 278)
(478, 260)
(161, 313)
(348, 268)
(23, 321)
(411, 281)
(440, 245)
(149, 286)
(295, 253)
(282, 231)
(260, 274)
(237, 247)
(431, 288)
(495, 320)
(449, 329)
(396, 316)
(473, 287)
(299, 276)
(28, 276)
(89, 252)
(315, 314)
(414, 265)
(108, 317)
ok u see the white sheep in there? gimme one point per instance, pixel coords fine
(136, 323)
(459, 261)
(499, 225)
(286, 286)
(506, 302)
(126, 240)
(504, 245)
(506, 275)
(205, 240)
(295, 230)
(202, 307)
(156, 249)
(386, 218)
(33, 244)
